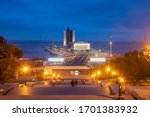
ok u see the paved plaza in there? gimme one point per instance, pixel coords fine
(44, 90)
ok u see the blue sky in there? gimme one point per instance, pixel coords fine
(93, 20)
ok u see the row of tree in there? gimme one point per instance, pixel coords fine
(133, 66)
(9, 55)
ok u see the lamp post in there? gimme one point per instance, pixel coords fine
(25, 69)
(108, 70)
(99, 73)
(114, 73)
(54, 76)
(45, 74)
(121, 80)
(58, 76)
(92, 75)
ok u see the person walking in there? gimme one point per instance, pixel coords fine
(72, 83)
(76, 82)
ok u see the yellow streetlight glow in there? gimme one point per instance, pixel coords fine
(54, 74)
(98, 72)
(94, 75)
(58, 76)
(45, 73)
(122, 80)
(114, 73)
(25, 69)
(108, 69)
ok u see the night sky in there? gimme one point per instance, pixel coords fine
(93, 20)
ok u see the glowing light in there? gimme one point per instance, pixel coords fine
(108, 69)
(45, 73)
(54, 75)
(98, 72)
(121, 79)
(25, 69)
(114, 73)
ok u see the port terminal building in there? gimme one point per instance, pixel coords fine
(81, 46)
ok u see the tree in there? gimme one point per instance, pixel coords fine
(134, 66)
(9, 55)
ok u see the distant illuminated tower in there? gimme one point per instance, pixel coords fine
(110, 45)
(146, 46)
(69, 37)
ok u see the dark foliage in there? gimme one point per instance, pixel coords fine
(9, 55)
(134, 66)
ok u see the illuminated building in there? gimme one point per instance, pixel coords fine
(98, 60)
(55, 61)
(146, 51)
(81, 46)
(69, 37)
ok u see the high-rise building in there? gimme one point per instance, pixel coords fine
(69, 37)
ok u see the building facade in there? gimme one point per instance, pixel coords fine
(146, 51)
(81, 46)
(69, 37)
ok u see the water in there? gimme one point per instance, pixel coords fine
(36, 48)
(119, 47)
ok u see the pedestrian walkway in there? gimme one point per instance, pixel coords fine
(44, 90)
(5, 88)
(56, 97)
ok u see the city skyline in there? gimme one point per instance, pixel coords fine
(75, 50)
(92, 20)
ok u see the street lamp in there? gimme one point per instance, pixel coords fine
(99, 73)
(114, 73)
(121, 80)
(94, 76)
(108, 70)
(58, 76)
(25, 70)
(45, 73)
(54, 75)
